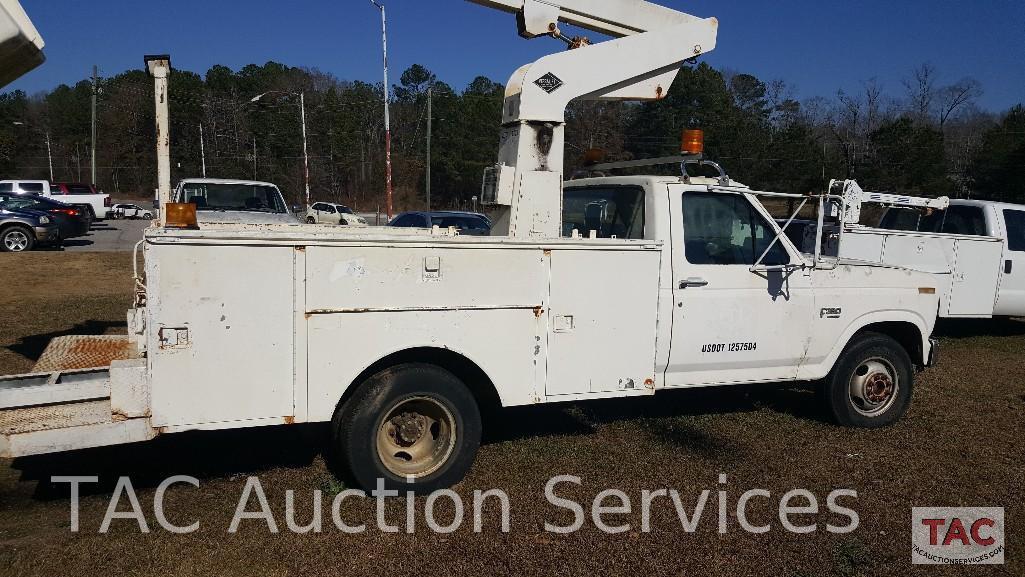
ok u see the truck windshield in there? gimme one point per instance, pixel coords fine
(241, 197)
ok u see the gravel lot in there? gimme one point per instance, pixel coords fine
(960, 445)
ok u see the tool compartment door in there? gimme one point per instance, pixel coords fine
(975, 277)
(220, 333)
(602, 320)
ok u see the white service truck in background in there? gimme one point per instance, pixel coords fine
(995, 272)
(613, 287)
(975, 249)
(80, 195)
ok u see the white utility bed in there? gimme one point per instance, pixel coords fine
(967, 267)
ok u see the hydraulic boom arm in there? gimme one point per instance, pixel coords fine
(854, 197)
(650, 45)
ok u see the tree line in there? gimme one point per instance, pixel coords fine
(930, 138)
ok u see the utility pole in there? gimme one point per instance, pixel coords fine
(202, 149)
(93, 140)
(430, 94)
(254, 158)
(387, 118)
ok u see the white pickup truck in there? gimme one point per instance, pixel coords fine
(219, 200)
(68, 193)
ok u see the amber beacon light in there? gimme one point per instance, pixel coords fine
(693, 142)
(180, 215)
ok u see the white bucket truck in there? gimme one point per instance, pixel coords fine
(399, 337)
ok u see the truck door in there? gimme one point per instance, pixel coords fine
(1011, 297)
(732, 324)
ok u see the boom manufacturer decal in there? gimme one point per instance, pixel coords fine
(549, 83)
(728, 347)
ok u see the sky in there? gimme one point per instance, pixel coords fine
(816, 46)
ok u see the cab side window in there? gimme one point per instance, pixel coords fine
(610, 211)
(725, 229)
(1015, 222)
(968, 220)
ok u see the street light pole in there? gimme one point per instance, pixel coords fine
(306, 155)
(49, 154)
(46, 133)
(202, 149)
(302, 116)
(387, 117)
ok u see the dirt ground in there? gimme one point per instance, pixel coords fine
(961, 445)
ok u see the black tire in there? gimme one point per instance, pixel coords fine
(17, 238)
(147, 216)
(871, 384)
(311, 220)
(373, 414)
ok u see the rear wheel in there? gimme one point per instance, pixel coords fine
(871, 384)
(17, 239)
(416, 426)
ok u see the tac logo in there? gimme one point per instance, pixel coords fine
(957, 535)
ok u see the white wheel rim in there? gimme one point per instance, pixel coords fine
(873, 387)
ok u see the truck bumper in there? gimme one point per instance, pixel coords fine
(934, 346)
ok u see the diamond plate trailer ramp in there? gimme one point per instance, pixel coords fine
(67, 410)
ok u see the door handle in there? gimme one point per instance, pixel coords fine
(1007, 266)
(693, 282)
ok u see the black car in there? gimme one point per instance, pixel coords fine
(471, 223)
(72, 220)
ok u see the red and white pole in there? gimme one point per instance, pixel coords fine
(387, 116)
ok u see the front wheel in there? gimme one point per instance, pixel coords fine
(311, 220)
(416, 426)
(17, 239)
(870, 386)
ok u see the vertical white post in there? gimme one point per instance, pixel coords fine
(49, 154)
(430, 126)
(92, 142)
(202, 149)
(160, 68)
(306, 155)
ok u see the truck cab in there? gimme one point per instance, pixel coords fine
(234, 201)
(738, 302)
